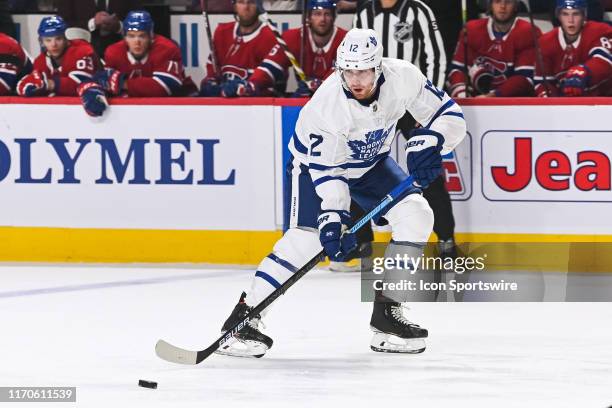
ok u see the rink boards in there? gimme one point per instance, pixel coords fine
(192, 180)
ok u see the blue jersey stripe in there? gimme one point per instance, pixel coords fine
(602, 53)
(278, 74)
(444, 107)
(283, 263)
(298, 145)
(268, 279)
(458, 114)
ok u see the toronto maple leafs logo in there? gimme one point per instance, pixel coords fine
(373, 40)
(368, 149)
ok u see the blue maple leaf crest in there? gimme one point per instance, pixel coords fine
(373, 41)
(369, 148)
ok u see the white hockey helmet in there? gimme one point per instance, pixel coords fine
(361, 49)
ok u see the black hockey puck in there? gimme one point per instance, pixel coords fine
(147, 384)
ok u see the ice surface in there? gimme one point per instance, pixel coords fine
(96, 327)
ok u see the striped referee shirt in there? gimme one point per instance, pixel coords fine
(409, 31)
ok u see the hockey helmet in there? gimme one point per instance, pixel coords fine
(321, 4)
(52, 26)
(572, 5)
(138, 21)
(361, 49)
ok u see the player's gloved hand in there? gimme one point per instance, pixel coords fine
(111, 80)
(210, 87)
(238, 87)
(481, 78)
(307, 88)
(93, 98)
(576, 81)
(331, 226)
(423, 155)
(33, 84)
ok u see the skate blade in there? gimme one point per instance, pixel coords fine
(388, 343)
(353, 265)
(241, 348)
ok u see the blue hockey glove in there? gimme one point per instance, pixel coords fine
(576, 81)
(93, 98)
(210, 87)
(238, 87)
(423, 155)
(331, 226)
(307, 88)
(111, 80)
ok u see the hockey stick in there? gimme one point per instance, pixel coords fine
(539, 58)
(303, 37)
(468, 82)
(211, 44)
(178, 355)
(294, 62)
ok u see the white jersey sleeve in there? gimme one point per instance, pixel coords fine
(434, 109)
(327, 155)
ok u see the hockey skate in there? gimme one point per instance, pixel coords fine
(393, 333)
(249, 341)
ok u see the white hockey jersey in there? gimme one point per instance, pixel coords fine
(339, 138)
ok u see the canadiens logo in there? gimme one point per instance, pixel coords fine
(368, 149)
(499, 69)
(458, 170)
(233, 72)
(402, 31)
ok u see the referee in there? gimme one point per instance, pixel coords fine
(409, 31)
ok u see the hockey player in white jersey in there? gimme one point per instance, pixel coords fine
(340, 151)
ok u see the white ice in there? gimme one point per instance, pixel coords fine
(97, 330)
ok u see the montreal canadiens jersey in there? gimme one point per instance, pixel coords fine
(510, 58)
(318, 62)
(78, 64)
(14, 64)
(340, 138)
(159, 73)
(592, 48)
(239, 55)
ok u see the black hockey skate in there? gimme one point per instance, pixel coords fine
(388, 322)
(249, 341)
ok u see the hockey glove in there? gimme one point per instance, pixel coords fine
(331, 226)
(576, 81)
(210, 87)
(307, 88)
(238, 87)
(92, 98)
(481, 78)
(111, 80)
(34, 84)
(423, 155)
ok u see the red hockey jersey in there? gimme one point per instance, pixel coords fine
(14, 63)
(592, 48)
(510, 58)
(78, 64)
(318, 62)
(239, 55)
(159, 73)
